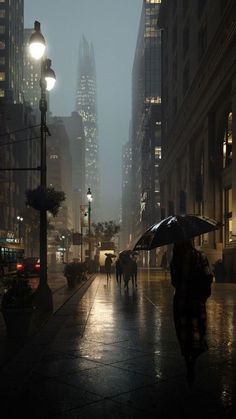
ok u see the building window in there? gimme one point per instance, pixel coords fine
(185, 40)
(201, 7)
(223, 5)
(174, 36)
(174, 70)
(2, 76)
(174, 5)
(228, 142)
(228, 214)
(53, 156)
(171, 208)
(202, 40)
(174, 105)
(2, 29)
(2, 45)
(2, 93)
(186, 78)
(2, 60)
(182, 202)
(185, 6)
(2, 13)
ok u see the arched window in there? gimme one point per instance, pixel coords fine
(228, 142)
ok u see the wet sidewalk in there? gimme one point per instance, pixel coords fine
(112, 354)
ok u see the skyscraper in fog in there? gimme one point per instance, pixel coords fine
(31, 74)
(146, 120)
(11, 46)
(86, 106)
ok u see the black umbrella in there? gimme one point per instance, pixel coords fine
(111, 255)
(175, 229)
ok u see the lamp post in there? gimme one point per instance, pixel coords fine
(37, 46)
(63, 248)
(19, 219)
(90, 198)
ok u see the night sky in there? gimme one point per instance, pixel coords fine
(112, 27)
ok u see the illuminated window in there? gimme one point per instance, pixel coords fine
(228, 142)
(53, 156)
(2, 45)
(2, 93)
(2, 75)
(228, 214)
(153, 1)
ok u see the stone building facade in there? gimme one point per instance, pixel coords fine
(198, 168)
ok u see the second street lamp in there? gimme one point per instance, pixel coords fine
(19, 219)
(37, 47)
(90, 198)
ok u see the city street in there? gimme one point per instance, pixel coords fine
(115, 354)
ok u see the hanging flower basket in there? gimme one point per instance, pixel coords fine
(45, 199)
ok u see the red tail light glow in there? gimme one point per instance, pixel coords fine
(37, 266)
(19, 266)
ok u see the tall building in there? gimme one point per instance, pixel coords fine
(11, 50)
(86, 106)
(146, 103)
(126, 216)
(31, 74)
(59, 176)
(198, 167)
(75, 130)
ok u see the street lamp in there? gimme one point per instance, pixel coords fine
(63, 248)
(37, 46)
(19, 219)
(90, 198)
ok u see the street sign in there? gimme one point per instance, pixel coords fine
(77, 238)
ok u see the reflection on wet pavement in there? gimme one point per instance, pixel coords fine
(116, 355)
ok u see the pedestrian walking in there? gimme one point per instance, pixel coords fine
(191, 278)
(127, 268)
(134, 271)
(119, 271)
(108, 264)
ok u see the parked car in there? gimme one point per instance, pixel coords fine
(28, 267)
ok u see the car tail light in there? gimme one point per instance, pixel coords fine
(37, 266)
(19, 266)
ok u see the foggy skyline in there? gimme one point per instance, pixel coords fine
(112, 27)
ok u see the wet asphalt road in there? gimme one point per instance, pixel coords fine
(113, 354)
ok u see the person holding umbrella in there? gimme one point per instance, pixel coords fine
(191, 278)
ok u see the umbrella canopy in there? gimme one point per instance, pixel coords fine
(111, 255)
(173, 229)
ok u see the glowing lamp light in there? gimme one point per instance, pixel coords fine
(49, 75)
(89, 195)
(50, 83)
(37, 44)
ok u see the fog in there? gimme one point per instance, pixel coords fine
(112, 27)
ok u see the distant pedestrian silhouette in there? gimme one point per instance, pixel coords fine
(108, 263)
(134, 271)
(191, 277)
(119, 271)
